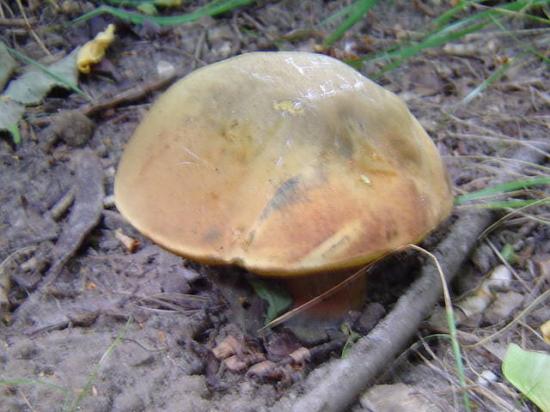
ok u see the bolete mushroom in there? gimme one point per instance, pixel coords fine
(288, 164)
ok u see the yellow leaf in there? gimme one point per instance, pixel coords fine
(93, 51)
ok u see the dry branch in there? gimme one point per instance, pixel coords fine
(84, 216)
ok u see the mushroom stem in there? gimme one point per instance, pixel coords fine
(333, 307)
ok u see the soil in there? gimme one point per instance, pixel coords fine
(117, 330)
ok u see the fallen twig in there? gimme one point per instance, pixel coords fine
(61, 206)
(17, 22)
(84, 216)
(336, 385)
(127, 96)
(131, 95)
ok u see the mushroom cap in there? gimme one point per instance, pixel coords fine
(284, 163)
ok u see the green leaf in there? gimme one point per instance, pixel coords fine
(276, 297)
(352, 338)
(7, 65)
(10, 114)
(15, 134)
(511, 204)
(33, 85)
(508, 253)
(529, 372)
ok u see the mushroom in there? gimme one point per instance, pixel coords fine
(288, 164)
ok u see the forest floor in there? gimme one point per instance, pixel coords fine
(89, 325)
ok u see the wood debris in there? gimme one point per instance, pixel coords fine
(237, 363)
(229, 346)
(129, 243)
(300, 356)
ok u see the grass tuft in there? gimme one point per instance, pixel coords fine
(448, 27)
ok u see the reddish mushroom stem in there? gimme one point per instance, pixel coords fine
(334, 307)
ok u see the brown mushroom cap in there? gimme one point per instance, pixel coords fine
(284, 163)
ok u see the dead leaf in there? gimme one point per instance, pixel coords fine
(7, 65)
(33, 85)
(31, 88)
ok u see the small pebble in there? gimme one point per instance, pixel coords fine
(486, 377)
(165, 69)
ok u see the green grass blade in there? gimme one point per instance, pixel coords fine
(502, 188)
(457, 355)
(510, 204)
(496, 75)
(211, 9)
(437, 40)
(357, 12)
(451, 323)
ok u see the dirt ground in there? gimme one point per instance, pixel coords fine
(134, 331)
